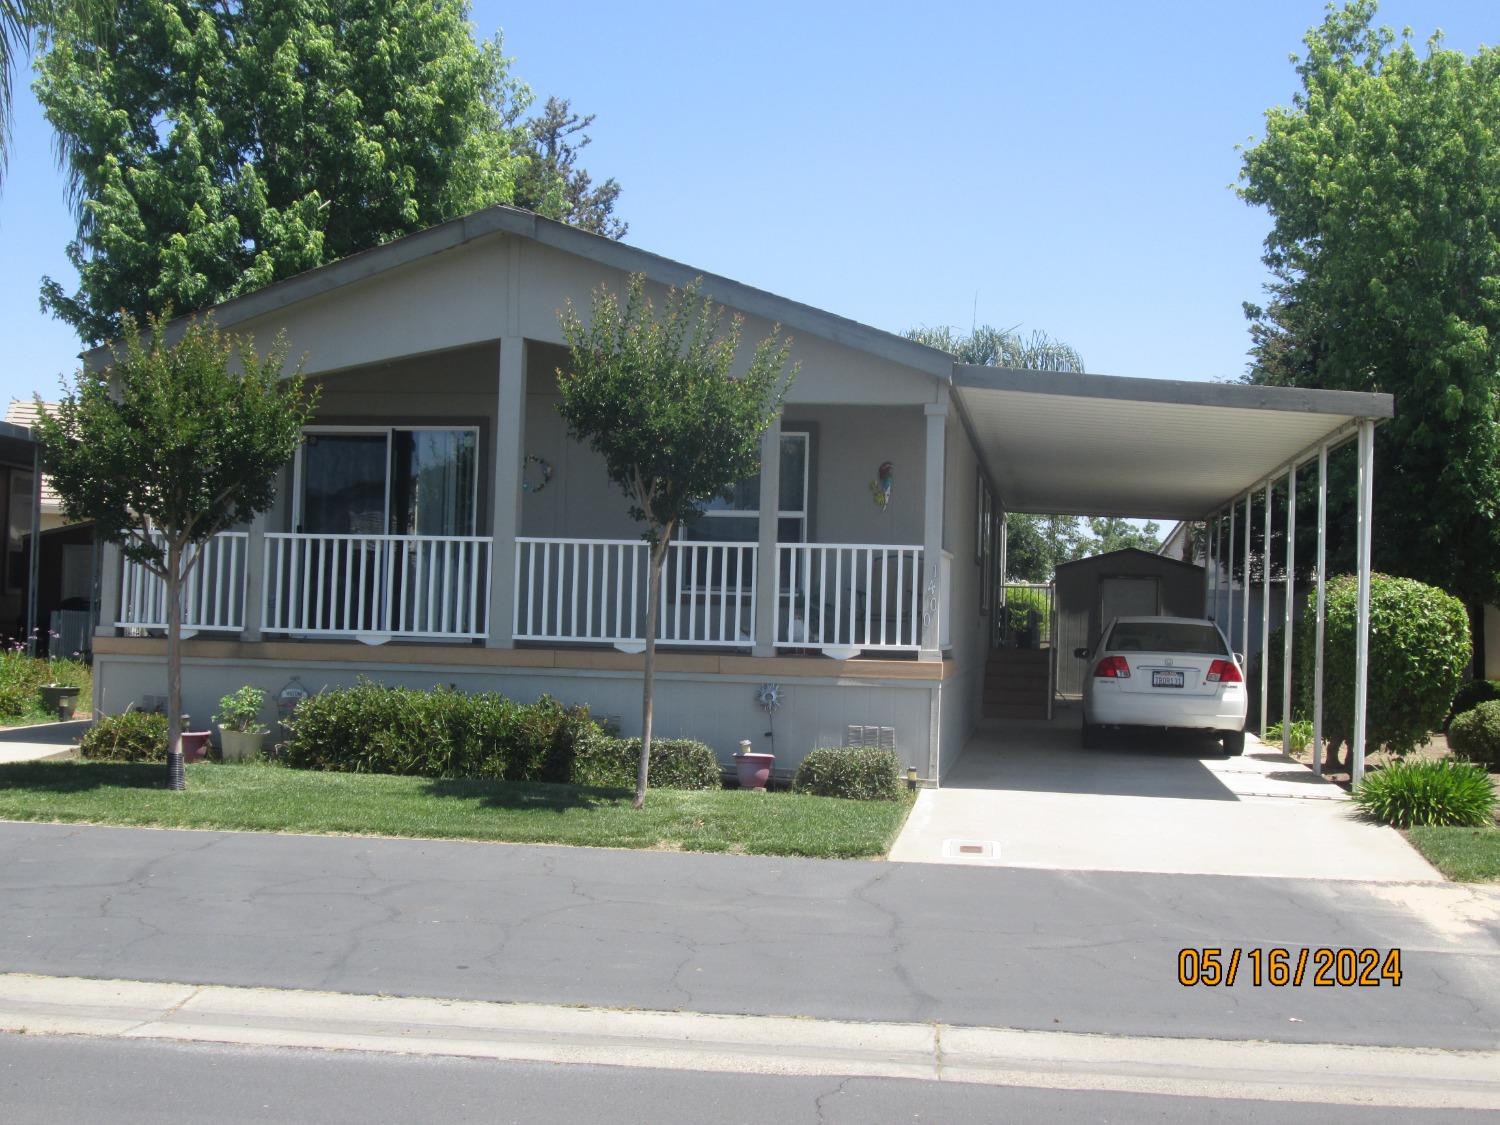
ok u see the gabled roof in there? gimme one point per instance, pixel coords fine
(1128, 551)
(504, 220)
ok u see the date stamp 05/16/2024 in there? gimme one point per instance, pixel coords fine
(1275, 967)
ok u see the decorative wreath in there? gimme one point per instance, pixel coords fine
(540, 463)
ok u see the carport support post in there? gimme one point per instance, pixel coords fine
(1265, 611)
(1362, 626)
(1229, 612)
(1317, 763)
(1208, 567)
(1286, 640)
(1245, 609)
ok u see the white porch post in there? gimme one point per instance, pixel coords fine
(931, 608)
(1245, 609)
(1317, 718)
(505, 494)
(109, 590)
(255, 578)
(1286, 640)
(1362, 628)
(767, 581)
(1265, 611)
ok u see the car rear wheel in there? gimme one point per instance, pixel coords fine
(1093, 736)
(1234, 742)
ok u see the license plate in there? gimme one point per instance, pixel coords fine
(1166, 679)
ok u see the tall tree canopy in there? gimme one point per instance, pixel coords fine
(988, 346)
(1382, 180)
(1111, 533)
(215, 147)
(20, 21)
(552, 183)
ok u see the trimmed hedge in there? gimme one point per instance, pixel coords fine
(1419, 648)
(135, 736)
(371, 728)
(1428, 792)
(1476, 734)
(676, 763)
(861, 773)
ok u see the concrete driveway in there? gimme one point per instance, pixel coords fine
(1025, 794)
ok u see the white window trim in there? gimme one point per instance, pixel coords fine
(388, 431)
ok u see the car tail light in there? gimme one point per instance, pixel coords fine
(1224, 672)
(1112, 668)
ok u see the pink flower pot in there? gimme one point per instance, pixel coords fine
(754, 769)
(195, 744)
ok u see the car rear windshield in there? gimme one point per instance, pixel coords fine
(1166, 636)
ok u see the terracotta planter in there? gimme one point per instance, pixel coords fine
(754, 770)
(241, 745)
(195, 744)
(61, 699)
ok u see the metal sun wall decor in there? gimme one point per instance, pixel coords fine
(880, 487)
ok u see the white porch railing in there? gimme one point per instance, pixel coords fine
(850, 596)
(213, 597)
(594, 591)
(375, 587)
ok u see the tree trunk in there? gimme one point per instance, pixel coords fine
(175, 776)
(653, 600)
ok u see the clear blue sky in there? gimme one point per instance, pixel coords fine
(1059, 166)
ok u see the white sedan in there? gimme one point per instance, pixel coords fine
(1164, 673)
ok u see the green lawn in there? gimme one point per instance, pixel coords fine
(1469, 855)
(273, 798)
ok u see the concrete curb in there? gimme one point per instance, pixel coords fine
(1322, 1073)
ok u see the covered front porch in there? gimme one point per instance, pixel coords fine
(439, 500)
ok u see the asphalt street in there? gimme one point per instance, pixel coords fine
(1047, 950)
(79, 1081)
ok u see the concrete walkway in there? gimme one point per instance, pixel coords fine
(41, 741)
(1025, 794)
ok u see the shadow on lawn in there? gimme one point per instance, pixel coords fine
(79, 777)
(526, 795)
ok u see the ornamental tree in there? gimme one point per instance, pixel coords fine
(657, 397)
(168, 446)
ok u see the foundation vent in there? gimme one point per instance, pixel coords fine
(882, 738)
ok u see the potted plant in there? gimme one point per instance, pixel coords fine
(241, 733)
(754, 770)
(60, 698)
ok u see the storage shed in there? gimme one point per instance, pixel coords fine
(1131, 582)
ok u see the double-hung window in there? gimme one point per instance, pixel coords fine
(391, 480)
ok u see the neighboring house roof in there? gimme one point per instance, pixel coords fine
(504, 220)
(1096, 559)
(24, 413)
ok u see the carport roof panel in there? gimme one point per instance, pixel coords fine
(1102, 445)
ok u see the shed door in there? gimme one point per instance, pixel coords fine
(1135, 596)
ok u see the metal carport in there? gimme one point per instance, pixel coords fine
(1081, 444)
